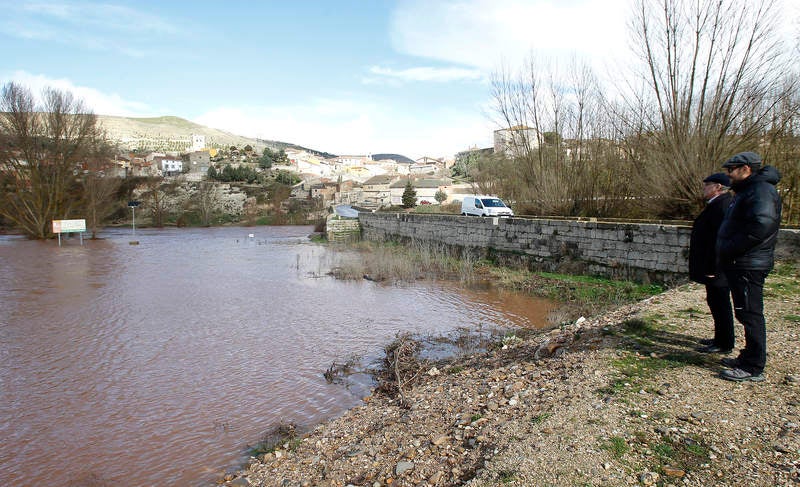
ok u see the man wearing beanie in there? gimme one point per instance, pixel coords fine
(745, 249)
(703, 263)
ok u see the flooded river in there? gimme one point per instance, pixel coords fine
(159, 363)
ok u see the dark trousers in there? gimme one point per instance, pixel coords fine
(747, 290)
(718, 298)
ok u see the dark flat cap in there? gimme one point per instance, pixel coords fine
(720, 178)
(743, 159)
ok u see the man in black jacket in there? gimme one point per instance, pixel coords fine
(703, 263)
(746, 249)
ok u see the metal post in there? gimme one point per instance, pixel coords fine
(133, 204)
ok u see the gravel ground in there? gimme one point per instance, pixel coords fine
(619, 399)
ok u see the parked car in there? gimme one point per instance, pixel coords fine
(481, 205)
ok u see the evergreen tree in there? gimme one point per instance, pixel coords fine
(409, 196)
(266, 160)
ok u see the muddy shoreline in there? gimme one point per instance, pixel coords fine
(620, 399)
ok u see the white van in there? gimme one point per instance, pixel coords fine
(481, 205)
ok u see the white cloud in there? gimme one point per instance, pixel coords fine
(439, 75)
(107, 17)
(356, 127)
(99, 102)
(486, 33)
(98, 27)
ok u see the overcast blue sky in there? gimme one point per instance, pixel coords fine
(347, 77)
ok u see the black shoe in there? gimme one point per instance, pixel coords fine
(714, 349)
(706, 341)
(740, 375)
(730, 362)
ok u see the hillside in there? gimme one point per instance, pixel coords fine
(174, 134)
(396, 157)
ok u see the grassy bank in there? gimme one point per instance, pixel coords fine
(578, 295)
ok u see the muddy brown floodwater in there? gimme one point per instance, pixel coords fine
(159, 363)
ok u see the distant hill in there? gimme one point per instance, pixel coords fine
(285, 145)
(395, 157)
(173, 134)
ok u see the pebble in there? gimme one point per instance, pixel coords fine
(673, 472)
(440, 440)
(649, 478)
(403, 467)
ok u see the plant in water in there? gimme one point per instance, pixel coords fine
(285, 434)
(336, 373)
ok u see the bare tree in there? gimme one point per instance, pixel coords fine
(567, 165)
(99, 196)
(99, 189)
(45, 145)
(712, 72)
(156, 199)
(206, 201)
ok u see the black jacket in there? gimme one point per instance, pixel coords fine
(747, 236)
(702, 244)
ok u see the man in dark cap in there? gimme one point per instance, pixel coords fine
(703, 263)
(746, 252)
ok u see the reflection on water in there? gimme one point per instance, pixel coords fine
(157, 364)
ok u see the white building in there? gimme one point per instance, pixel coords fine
(198, 143)
(169, 166)
(515, 141)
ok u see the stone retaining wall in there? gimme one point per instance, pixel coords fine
(342, 229)
(638, 251)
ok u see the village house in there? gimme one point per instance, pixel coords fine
(351, 160)
(325, 192)
(141, 167)
(198, 161)
(301, 190)
(391, 166)
(310, 164)
(359, 173)
(515, 141)
(348, 193)
(376, 191)
(426, 166)
(169, 166)
(426, 189)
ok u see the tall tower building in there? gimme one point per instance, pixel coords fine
(198, 142)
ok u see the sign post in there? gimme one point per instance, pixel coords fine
(133, 204)
(69, 226)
